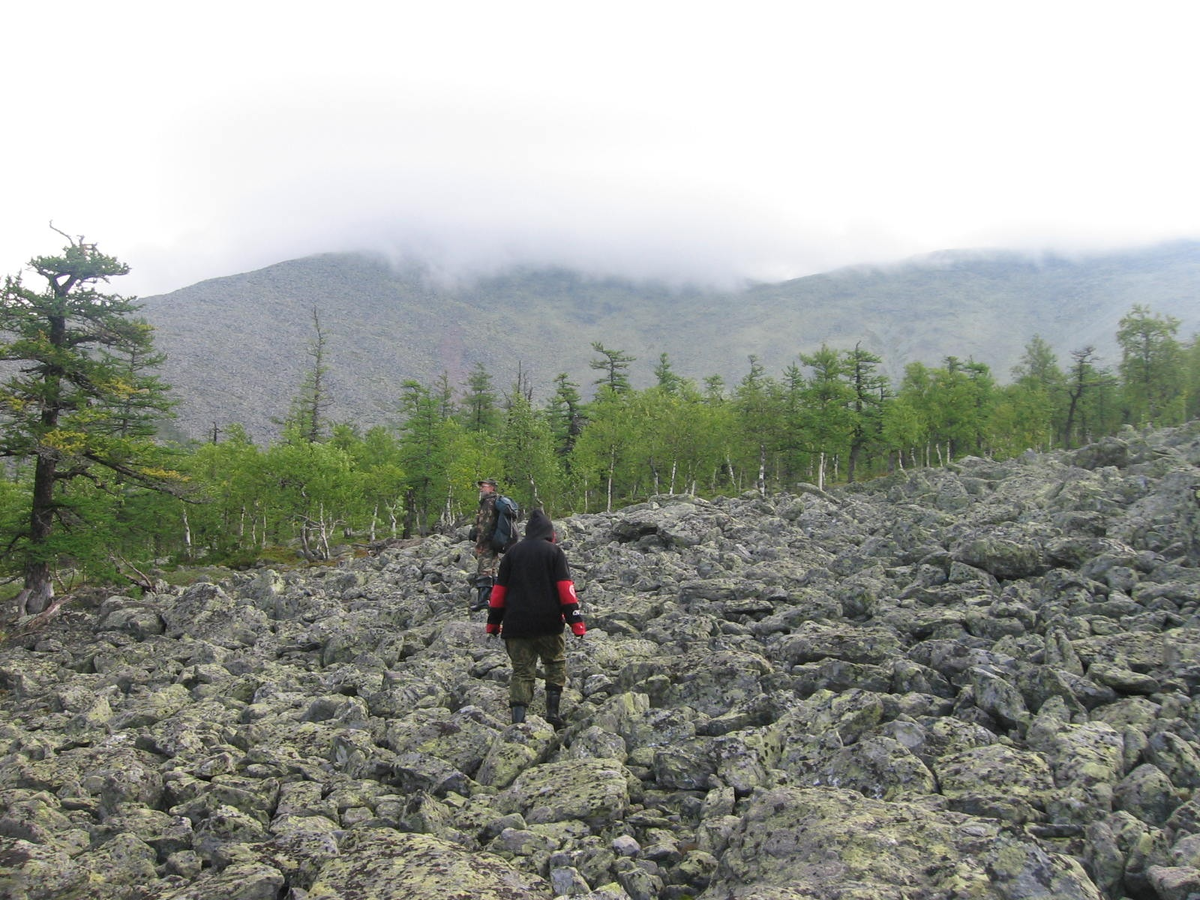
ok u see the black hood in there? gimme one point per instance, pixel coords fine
(540, 527)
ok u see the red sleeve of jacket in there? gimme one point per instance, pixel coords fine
(566, 593)
(569, 604)
(496, 598)
(496, 609)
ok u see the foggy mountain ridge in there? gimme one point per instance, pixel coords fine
(238, 347)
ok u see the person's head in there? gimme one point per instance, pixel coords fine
(487, 486)
(540, 527)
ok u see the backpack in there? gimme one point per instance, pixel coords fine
(507, 513)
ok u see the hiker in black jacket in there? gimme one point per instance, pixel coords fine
(532, 599)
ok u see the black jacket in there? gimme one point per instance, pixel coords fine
(534, 593)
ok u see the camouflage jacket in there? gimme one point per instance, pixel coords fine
(485, 523)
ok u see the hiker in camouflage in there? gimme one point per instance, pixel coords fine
(486, 557)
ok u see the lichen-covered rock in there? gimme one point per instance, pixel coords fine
(33, 871)
(822, 840)
(997, 781)
(516, 749)
(593, 791)
(381, 864)
(1005, 558)
(246, 881)
(462, 738)
(1148, 794)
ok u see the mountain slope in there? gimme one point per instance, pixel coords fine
(238, 347)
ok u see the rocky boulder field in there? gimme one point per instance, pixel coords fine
(976, 681)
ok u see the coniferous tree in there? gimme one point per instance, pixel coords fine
(759, 402)
(869, 392)
(714, 388)
(602, 454)
(479, 411)
(83, 405)
(1039, 391)
(443, 393)
(1021, 419)
(528, 461)
(1192, 367)
(615, 366)
(903, 428)
(795, 446)
(665, 377)
(425, 452)
(827, 418)
(983, 400)
(307, 418)
(1151, 367)
(1088, 387)
(1039, 367)
(911, 421)
(566, 414)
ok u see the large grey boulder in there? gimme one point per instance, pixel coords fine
(825, 842)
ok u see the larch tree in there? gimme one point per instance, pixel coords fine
(828, 418)
(565, 411)
(615, 368)
(1151, 367)
(870, 391)
(1086, 381)
(307, 418)
(479, 408)
(425, 454)
(1192, 375)
(758, 402)
(528, 461)
(79, 402)
(1040, 390)
(665, 377)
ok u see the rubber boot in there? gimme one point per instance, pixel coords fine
(518, 715)
(483, 583)
(553, 699)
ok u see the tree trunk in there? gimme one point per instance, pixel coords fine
(38, 591)
(187, 536)
(39, 588)
(612, 468)
(410, 513)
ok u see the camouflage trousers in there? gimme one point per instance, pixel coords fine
(525, 653)
(487, 563)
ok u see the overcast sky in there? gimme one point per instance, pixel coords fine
(688, 140)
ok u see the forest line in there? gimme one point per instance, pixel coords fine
(92, 490)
